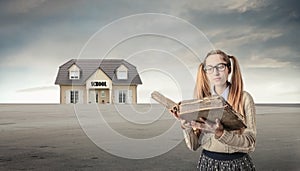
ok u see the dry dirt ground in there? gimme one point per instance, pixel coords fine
(50, 137)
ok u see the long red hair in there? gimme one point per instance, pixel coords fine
(235, 97)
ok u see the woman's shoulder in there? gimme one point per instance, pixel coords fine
(247, 94)
(247, 97)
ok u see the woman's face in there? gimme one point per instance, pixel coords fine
(215, 71)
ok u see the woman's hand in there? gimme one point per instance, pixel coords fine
(184, 123)
(174, 112)
(206, 126)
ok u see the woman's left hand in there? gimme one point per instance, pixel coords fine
(216, 128)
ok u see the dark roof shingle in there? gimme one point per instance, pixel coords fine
(90, 66)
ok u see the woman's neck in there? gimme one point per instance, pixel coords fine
(220, 89)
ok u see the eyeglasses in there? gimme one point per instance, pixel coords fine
(220, 68)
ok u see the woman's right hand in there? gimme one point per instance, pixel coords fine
(184, 124)
(174, 112)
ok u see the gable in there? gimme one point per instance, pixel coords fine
(98, 77)
(74, 67)
(122, 68)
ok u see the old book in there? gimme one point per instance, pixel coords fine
(209, 108)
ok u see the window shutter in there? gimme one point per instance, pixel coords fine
(67, 96)
(129, 97)
(80, 96)
(116, 99)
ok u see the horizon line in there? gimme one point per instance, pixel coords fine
(263, 103)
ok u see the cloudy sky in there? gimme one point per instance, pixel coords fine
(165, 39)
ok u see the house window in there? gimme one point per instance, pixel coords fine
(74, 75)
(122, 75)
(122, 96)
(103, 93)
(74, 96)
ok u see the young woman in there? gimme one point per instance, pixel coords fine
(222, 149)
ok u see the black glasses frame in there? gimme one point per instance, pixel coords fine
(219, 67)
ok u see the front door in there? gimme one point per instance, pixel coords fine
(104, 96)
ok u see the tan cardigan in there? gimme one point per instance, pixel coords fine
(230, 141)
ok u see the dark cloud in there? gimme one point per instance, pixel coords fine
(264, 32)
(275, 25)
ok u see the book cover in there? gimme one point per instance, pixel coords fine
(209, 108)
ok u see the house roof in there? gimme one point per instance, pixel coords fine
(90, 66)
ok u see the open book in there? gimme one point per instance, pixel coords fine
(209, 108)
